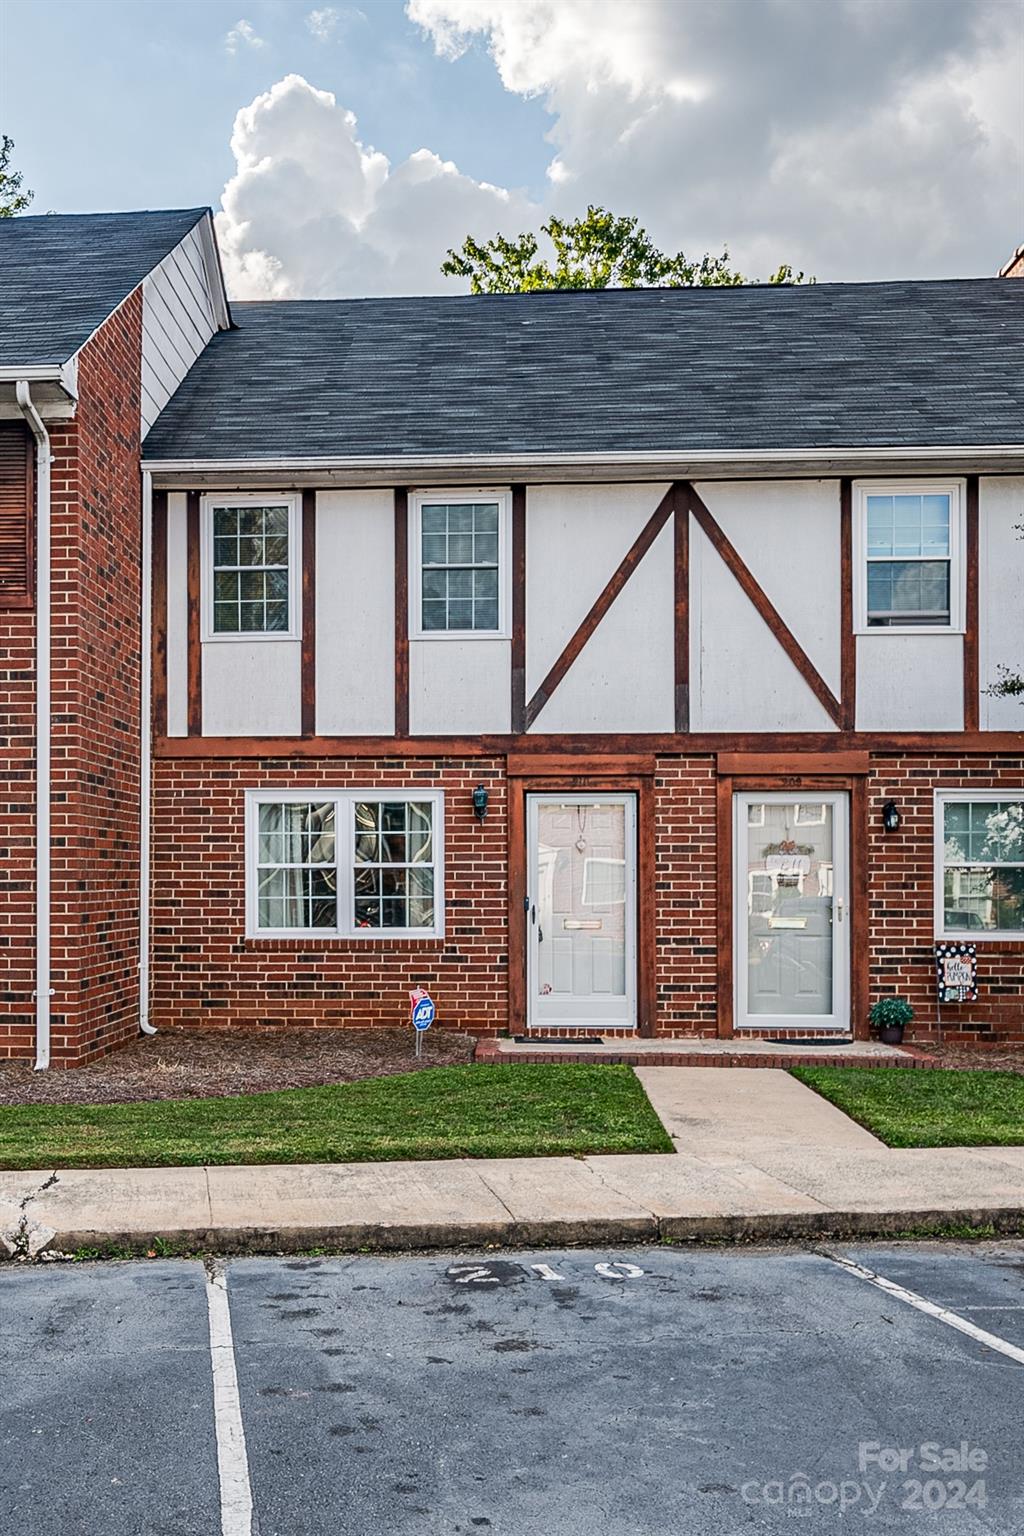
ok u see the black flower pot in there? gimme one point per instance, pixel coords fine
(891, 1034)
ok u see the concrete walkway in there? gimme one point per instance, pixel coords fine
(758, 1155)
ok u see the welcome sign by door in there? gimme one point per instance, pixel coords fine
(956, 967)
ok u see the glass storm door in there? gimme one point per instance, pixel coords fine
(581, 911)
(792, 911)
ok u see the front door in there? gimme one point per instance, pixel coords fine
(792, 911)
(581, 911)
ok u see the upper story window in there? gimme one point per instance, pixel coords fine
(908, 557)
(250, 567)
(979, 864)
(459, 567)
(344, 864)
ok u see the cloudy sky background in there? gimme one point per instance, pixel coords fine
(346, 146)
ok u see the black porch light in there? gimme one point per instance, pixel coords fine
(480, 802)
(891, 817)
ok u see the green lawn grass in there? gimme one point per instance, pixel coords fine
(528, 1110)
(926, 1109)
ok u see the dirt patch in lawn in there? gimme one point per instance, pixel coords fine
(984, 1058)
(198, 1064)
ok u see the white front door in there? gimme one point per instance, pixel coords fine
(581, 911)
(792, 910)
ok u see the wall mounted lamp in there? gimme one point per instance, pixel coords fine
(480, 802)
(891, 817)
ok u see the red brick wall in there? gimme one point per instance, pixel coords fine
(96, 510)
(205, 971)
(686, 937)
(901, 895)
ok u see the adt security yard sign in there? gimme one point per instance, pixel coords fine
(423, 1014)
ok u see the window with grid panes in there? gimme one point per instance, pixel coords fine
(909, 556)
(296, 866)
(393, 874)
(459, 557)
(982, 865)
(250, 570)
(346, 864)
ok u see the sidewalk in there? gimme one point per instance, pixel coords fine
(758, 1156)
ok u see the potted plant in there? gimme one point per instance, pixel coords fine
(889, 1017)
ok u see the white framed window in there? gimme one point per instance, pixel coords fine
(908, 546)
(351, 864)
(251, 566)
(460, 577)
(979, 864)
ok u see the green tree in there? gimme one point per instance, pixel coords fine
(601, 250)
(12, 199)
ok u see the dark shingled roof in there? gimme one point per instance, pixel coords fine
(919, 364)
(62, 274)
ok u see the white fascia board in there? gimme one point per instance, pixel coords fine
(214, 272)
(64, 374)
(482, 461)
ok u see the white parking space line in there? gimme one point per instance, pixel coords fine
(922, 1304)
(232, 1460)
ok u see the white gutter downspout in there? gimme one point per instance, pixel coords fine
(44, 458)
(146, 750)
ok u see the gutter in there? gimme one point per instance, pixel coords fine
(44, 459)
(660, 457)
(145, 752)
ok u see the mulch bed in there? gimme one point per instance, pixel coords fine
(206, 1064)
(984, 1058)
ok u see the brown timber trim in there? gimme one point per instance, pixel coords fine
(195, 644)
(309, 613)
(972, 681)
(517, 936)
(681, 563)
(553, 766)
(627, 565)
(769, 613)
(158, 614)
(518, 885)
(699, 744)
(401, 611)
(724, 900)
(795, 764)
(847, 638)
(518, 709)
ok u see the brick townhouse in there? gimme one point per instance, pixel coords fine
(616, 662)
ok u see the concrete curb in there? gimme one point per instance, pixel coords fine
(555, 1234)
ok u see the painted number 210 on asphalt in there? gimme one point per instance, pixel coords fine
(502, 1272)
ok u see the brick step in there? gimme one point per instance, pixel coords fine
(491, 1051)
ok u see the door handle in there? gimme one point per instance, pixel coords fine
(839, 909)
(533, 914)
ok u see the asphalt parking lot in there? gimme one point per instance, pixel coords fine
(645, 1392)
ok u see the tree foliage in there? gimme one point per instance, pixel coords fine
(12, 199)
(602, 250)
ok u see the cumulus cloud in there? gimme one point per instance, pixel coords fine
(313, 212)
(855, 139)
(242, 35)
(860, 138)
